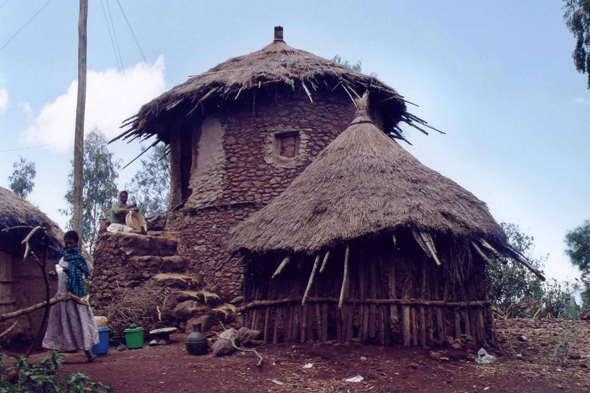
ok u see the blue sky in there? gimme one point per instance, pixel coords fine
(496, 76)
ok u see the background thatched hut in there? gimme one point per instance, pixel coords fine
(21, 281)
(368, 243)
(238, 135)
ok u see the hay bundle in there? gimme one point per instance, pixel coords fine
(150, 306)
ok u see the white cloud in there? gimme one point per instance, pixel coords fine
(581, 101)
(3, 100)
(111, 97)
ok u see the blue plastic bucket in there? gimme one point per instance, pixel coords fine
(102, 348)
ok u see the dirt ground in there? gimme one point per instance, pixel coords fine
(527, 364)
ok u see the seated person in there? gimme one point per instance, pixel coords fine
(119, 212)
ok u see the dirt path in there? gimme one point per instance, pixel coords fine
(170, 369)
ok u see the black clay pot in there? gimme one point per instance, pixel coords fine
(196, 343)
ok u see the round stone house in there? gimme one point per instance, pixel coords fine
(241, 132)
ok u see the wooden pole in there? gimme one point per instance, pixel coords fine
(325, 262)
(344, 278)
(80, 110)
(34, 307)
(281, 266)
(311, 277)
(335, 300)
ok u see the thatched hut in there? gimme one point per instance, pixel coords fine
(21, 281)
(368, 243)
(239, 133)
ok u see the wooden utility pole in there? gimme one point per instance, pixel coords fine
(80, 108)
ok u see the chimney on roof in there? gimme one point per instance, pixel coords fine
(278, 34)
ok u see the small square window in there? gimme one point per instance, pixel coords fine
(287, 144)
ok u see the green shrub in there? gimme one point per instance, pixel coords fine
(45, 377)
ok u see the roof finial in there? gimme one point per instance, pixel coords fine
(278, 34)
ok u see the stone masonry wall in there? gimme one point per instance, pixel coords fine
(253, 174)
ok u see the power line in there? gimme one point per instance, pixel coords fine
(132, 33)
(5, 1)
(25, 25)
(115, 34)
(35, 147)
(111, 36)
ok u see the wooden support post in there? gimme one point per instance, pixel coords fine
(303, 335)
(255, 312)
(414, 328)
(362, 296)
(324, 322)
(279, 313)
(457, 323)
(406, 324)
(440, 322)
(288, 322)
(406, 312)
(325, 262)
(309, 319)
(267, 314)
(318, 316)
(311, 278)
(373, 292)
(345, 277)
(281, 266)
(392, 293)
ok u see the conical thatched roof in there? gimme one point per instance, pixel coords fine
(364, 183)
(16, 211)
(277, 64)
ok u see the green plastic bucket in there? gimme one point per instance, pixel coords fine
(134, 338)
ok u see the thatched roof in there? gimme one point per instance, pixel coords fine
(275, 65)
(16, 211)
(364, 183)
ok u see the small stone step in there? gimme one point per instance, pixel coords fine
(181, 281)
(155, 264)
(202, 296)
(133, 244)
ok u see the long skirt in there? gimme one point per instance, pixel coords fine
(71, 325)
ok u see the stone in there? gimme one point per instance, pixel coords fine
(244, 335)
(457, 346)
(162, 342)
(153, 343)
(523, 338)
(189, 308)
(575, 355)
(435, 355)
(122, 347)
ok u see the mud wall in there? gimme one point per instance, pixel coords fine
(252, 172)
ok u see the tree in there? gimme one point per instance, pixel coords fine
(99, 187)
(578, 246)
(150, 187)
(578, 249)
(357, 67)
(22, 178)
(577, 19)
(510, 283)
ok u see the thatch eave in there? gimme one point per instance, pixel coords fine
(275, 66)
(18, 212)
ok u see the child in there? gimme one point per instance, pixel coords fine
(77, 268)
(71, 323)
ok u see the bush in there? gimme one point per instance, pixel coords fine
(23, 376)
